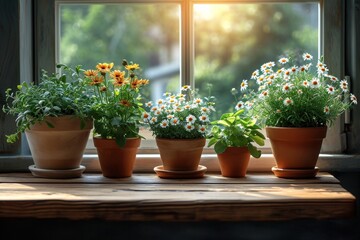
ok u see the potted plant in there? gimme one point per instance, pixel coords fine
(296, 101)
(55, 118)
(117, 112)
(180, 123)
(233, 137)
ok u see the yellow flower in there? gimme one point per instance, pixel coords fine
(91, 73)
(104, 67)
(132, 67)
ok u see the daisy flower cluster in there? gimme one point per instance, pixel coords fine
(295, 94)
(116, 100)
(180, 116)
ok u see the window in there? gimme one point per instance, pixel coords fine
(189, 16)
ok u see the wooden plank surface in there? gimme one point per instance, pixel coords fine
(146, 197)
(263, 178)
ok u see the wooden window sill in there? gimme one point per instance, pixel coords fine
(146, 197)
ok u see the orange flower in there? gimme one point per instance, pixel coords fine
(132, 67)
(144, 81)
(117, 74)
(118, 82)
(91, 73)
(103, 89)
(104, 67)
(135, 84)
(97, 80)
(125, 103)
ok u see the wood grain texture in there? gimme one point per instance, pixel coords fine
(146, 197)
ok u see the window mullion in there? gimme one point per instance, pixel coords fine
(187, 44)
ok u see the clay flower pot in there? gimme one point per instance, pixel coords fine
(180, 154)
(60, 147)
(234, 162)
(296, 148)
(115, 161)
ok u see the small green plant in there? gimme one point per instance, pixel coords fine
(234, 130)
(55, 95)
(117, 107)
(178, 118)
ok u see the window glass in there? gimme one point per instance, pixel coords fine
(232, 40)
(147, 34)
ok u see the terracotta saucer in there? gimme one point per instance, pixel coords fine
(295, 173)
(48, 173)
(162, 173)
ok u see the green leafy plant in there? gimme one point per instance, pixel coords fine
(296, 96)
(179, 118)
(234, 130)
(55, 95)
(117, 107)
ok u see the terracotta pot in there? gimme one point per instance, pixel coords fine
(180, 154)
(234, 161)
(115, 161)
(296, 148)
(61, 147)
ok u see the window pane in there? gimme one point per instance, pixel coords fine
(147, 34)
(232, 40)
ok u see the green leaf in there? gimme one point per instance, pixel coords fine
(254, 151)
(224, 123)
(226, 115)
(258, 140)
(212, 142)
(220, 147)
(239, 112)
(120, 141)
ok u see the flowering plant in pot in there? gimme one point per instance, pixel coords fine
(55, 116)
(297, 101)
(117, 112)
(180, 124)
(233, 137)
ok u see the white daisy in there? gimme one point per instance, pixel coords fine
(198, 101)
(205, 110)
(243, 85)
(270, 64)
(283, 60)
(174, 121)
(160, 101)
(322, 70)
(149, 104)
(189, 127)
(332, 78)
(204, 118)
(286, 87)
(264, 94)
(157, 112)
(353, 98)
(167, 94)
(154, 109)
(288, 102)
(164, 123)
(145, 116)
(153, 119)
(190, 119)
(185, 88)
(330, 89)
(344, 85)
(202, 129)
(170, 116)
(326, 110)
(239, 105)
(307, 57)
(255, 74)
(187, 107)
(294, 69)
(315, 83)
(260, 80)
(305, 83)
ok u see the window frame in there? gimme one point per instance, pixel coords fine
(331, 37)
